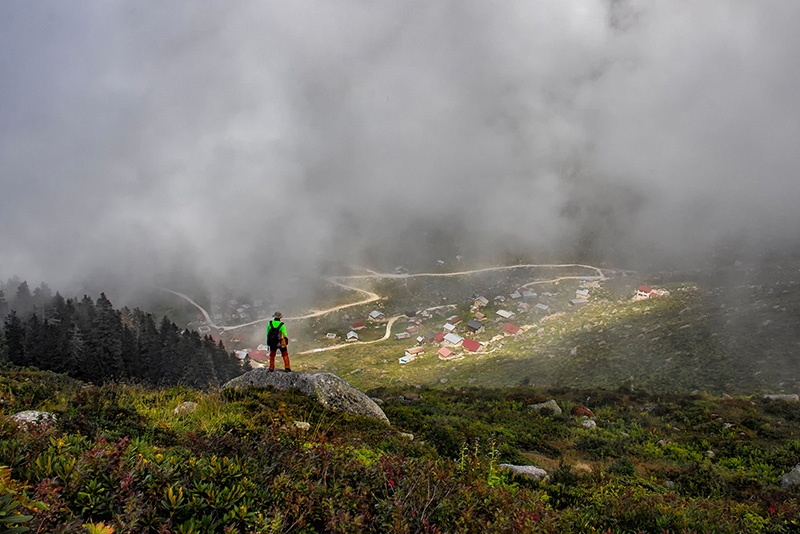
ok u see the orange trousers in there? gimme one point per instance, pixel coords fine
(284, 353)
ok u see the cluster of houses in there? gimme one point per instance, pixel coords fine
(453, 339)
(233, 311)
(647, 292)
(452, 345)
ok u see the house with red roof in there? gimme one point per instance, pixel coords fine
(471, 345)
(260, 356)
(358, 325)
(510, 329)
(438, 337)
(445, 354)
(645, 292)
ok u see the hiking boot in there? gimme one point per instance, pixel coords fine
(287, 370)
(270, 370)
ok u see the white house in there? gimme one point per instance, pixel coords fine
(352, 336)
(453, 339)
(376, 315)
(505, 314)
(480, 302)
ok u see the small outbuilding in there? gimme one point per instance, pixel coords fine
(475, 327)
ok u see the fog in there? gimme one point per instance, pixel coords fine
(253, 143)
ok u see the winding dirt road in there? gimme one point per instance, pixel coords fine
(370, 296)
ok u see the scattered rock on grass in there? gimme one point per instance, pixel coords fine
(550, 407)
(185, 407)
(537, 473)
(34, 418)
(792, 478)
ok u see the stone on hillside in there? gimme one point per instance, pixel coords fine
(537, 473)
(301, 425)
(185, 407)
(34, 418)
(406, 435)
(784, 397)
(588, 423)
(550, 407)
(329, 390)
(792, 478)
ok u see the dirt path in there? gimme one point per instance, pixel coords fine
(351, 343)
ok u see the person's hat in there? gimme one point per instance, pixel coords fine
(277, 315)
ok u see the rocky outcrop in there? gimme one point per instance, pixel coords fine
(34, 418)
(532, 471)
(329, 390)
(792, 478)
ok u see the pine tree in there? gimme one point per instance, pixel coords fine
(3, 305)
(108, 328)
(170, 366)
(198, 362)
(33, 342)
(15, 338)
(41, 298)
(148, 348)
(23, 302)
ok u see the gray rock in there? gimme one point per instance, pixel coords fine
(588, 423)
(550, 406)
(532, 471)
(792, 478)
(784, 397)
(302, 425)
(406, 435)
(34, 418)
(185, 407)
(329, 390)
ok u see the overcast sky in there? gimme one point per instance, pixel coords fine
(251, 140)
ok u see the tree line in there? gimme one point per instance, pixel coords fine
(91, 341)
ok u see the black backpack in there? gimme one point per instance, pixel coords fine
(274, 335)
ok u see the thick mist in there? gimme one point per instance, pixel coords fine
(252, 143)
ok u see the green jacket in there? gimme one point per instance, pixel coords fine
(274, 324)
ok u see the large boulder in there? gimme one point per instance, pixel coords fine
(330, 390)
(550, 407)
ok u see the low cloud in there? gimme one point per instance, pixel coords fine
(252, 143)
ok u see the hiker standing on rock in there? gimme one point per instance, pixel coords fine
(277, 339)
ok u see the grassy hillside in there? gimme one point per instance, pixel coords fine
(119, 459)
(736, 331)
